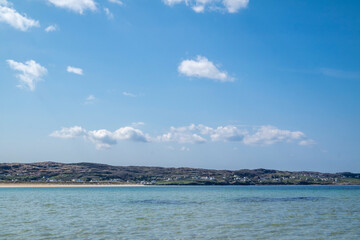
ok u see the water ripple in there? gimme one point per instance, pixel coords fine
(278, 199)
(163, 202)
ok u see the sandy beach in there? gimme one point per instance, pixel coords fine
(34, 185)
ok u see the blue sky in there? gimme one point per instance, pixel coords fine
(224, 84)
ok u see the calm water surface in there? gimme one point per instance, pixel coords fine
(254, 212)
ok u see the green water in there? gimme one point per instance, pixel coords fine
(256, 212)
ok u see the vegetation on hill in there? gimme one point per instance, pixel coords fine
(101, 173)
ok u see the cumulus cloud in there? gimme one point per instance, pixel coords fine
(78, 6)
(201, 67)
(227, 133)
(71, 132)
(192, 134)
(10, 16)
(118, 2)
(267, 135)
(74, 70)
(264, 135)
(30, 73)
(230, 6)
(51, 28)
(130, 133)
(182, 135)
(102, 138)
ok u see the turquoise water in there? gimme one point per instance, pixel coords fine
(254, 212)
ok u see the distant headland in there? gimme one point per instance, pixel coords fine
(100, 174)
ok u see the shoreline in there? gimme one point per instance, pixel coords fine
(74, 185)
(42, 185)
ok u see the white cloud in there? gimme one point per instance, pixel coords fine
(173, 2)
(230, 6)
(267, 135)
(234, 6)
(201, 67)
(129, 94)
(72, 132)
(200, 5)
(78, 6)
(192, 134)
(198, 8)
(10, 16)
(103, 138)
(228, 133)
(130, 133)
(51, 28)
(118, 2)
(182, 135)
(5, 3)
(75, 70)
(30, 72)
(307, 142)
(108, 13)
(264, 135)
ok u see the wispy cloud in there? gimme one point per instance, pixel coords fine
(90, 99)
(199, 6)
(74, 70)
(118, 2)
(328, 72)
(182, 148)
(233, 6)
(201, 67)
(10, 16)
(307, 142)
(137, 124)
(78, 6)
(30, 73)
(185, 149)
(108, 13)
(127, 94)
(51, 28)
(336, 73)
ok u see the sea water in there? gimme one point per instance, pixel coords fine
(226, 212)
